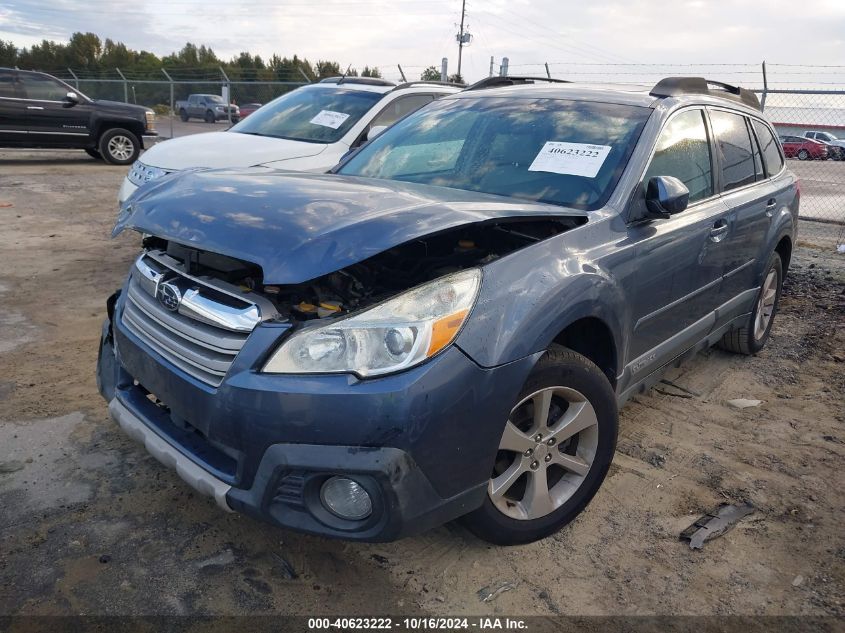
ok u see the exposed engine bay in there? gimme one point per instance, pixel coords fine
(379, 277)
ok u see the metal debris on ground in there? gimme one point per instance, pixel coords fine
(689, 392)
(715, 523)
(284, 568)
(487, 594)
(744, 403)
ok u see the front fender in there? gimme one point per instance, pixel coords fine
(531, 296)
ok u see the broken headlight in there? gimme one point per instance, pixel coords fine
(394, 335)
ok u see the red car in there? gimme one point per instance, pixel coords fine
(803, 148)
(249, 108)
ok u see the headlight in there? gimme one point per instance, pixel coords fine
(219, 108)
(394, 335)
(150, 118)
(141, 173)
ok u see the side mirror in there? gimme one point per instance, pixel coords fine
(70, 100)
(375, 131)
(665, 196)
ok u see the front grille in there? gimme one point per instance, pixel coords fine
(202, 335)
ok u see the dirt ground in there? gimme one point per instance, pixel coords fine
(91, 524)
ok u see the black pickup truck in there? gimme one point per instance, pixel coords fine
(40, 111)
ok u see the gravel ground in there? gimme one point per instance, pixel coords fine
(91, 524)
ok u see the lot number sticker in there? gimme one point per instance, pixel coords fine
(327, 118)
(574, 159)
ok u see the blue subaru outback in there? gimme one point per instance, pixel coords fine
(446, 325)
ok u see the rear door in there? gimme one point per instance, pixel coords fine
(750, 197)
(12, 109)
(49, 121)
(680, 258)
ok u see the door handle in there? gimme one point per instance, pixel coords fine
(719, 230)
(34, 108)
(770, 207)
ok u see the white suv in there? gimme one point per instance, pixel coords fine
(307, 129)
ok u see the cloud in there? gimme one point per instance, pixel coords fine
(570, 36)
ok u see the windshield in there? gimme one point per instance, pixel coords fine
(311, 113)
(214, 98)
(563, 152)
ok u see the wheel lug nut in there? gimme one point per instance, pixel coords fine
(535, 465)
(529, 452)
(548, 457)
(550, 441)
(538, 437)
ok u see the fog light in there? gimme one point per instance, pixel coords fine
(346, 498)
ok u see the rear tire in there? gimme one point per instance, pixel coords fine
(803, 155)
(751, 337)
(183, 115)
(209, 116)
(548, 468)
(119, 147)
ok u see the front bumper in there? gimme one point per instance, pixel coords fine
(422, 442)
(126, 190)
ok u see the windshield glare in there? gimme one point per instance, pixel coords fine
(563, 152)
(316, 114)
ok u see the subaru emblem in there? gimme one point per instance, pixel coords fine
(169, 296)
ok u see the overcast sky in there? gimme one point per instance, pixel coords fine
(418, 33)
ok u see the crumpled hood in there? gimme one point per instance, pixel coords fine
(299, 226)
(225, 149)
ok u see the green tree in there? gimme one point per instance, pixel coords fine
(84, 51)
(371, 72)
(430, 74)
(8, 54)
(327, 69)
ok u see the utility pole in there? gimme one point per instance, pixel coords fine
(463, 38)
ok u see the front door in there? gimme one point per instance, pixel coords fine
(674, 288)
(49, 121)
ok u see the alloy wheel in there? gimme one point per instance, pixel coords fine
(766, 304)
(547, 449)
(121, 147)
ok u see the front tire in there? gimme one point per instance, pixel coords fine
(209, 116)
(803, 155)
(750, 338)
(554, 454)
(183, 115)
(119, 147)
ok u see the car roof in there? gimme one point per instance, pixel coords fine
(606, 93)
(670, 91)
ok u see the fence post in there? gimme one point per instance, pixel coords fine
(172, 103)
(75, 78)
(765, 88)
(302, 72)
(444, 72)
(548, 74)
(125, 86)
(503, 69)
(401, 73)
(228, 93)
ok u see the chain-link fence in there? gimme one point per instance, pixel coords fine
(811, 124)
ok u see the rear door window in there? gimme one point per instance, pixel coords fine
(734, 147)
(683, 151)
(7, 84)
(771, 153)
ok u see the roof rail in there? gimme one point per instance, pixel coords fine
(408, 84)
(368, 81)
(496, 82)
(675, 86)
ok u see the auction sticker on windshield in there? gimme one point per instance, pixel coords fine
(328, 118)
(573, 159)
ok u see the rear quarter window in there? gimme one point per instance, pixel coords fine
(769, 147)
